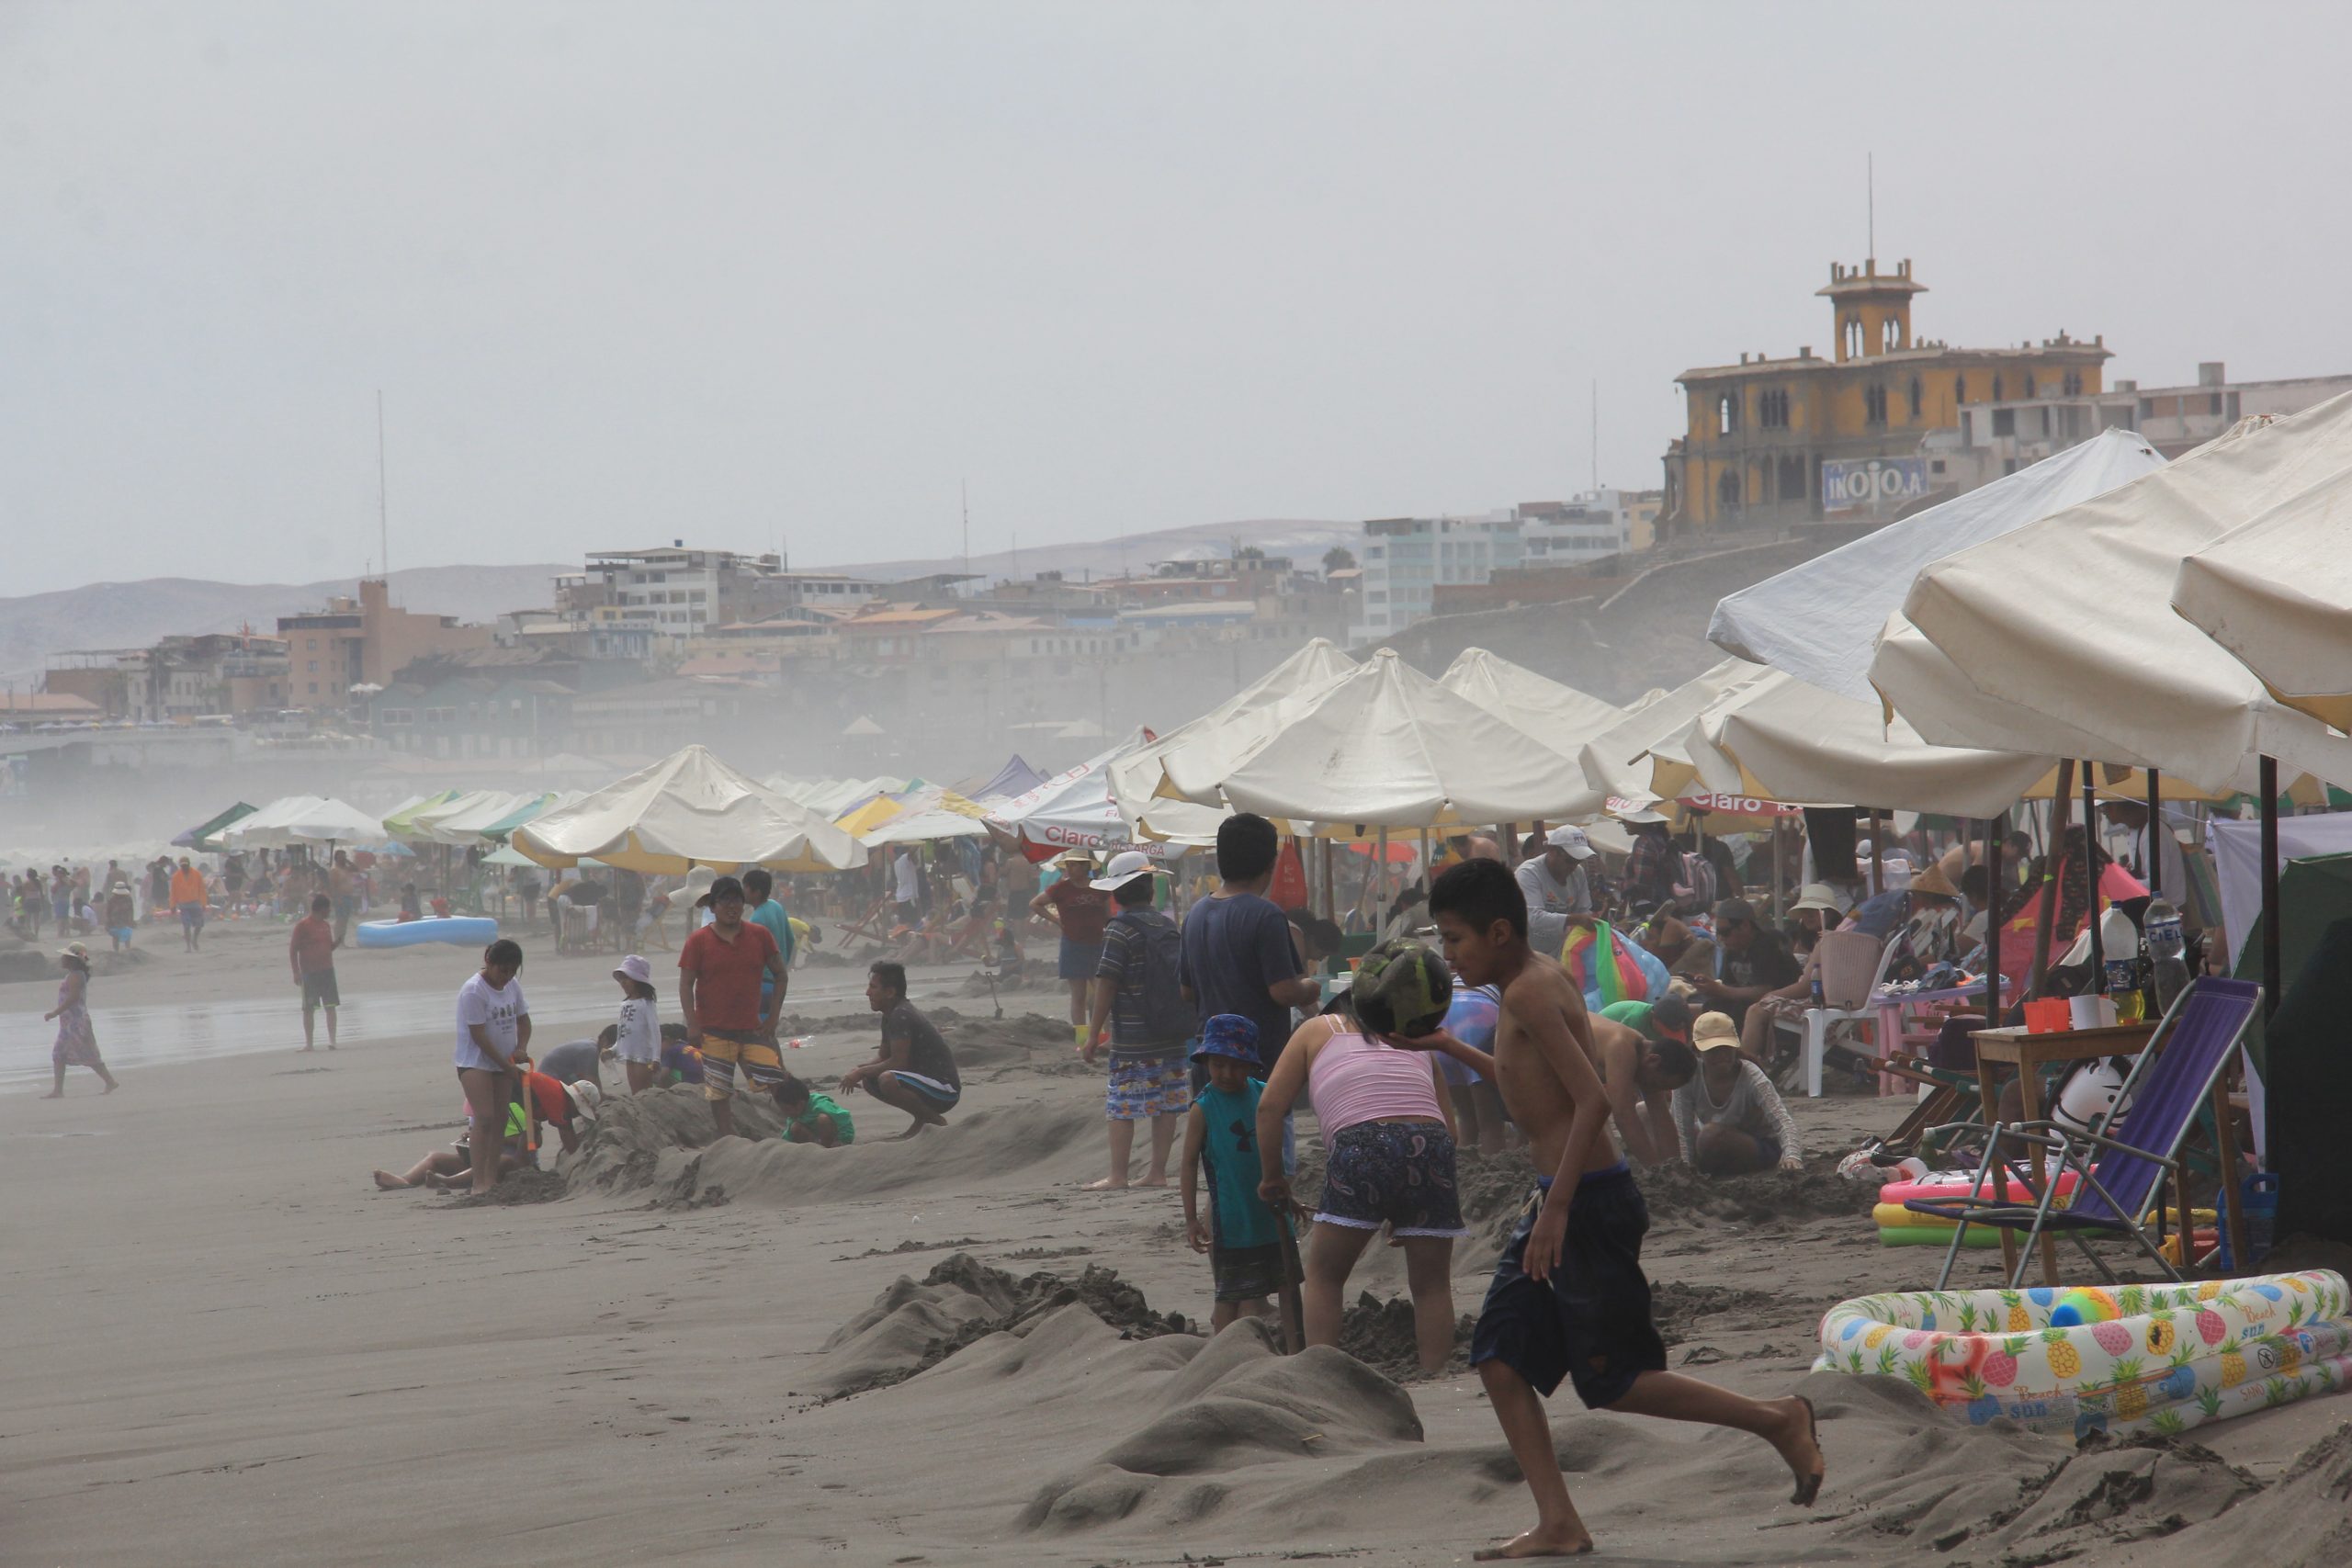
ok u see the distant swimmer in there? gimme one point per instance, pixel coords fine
(915, 1071)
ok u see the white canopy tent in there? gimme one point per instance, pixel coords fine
(1075, 809)
(2278, 594)
(1563, 718)
(2070, 618)
(1819, 621)
(1138, 772)
(1618, 760)
(303, 819)
(688, 809)
(1777, 738)
(1385, 745)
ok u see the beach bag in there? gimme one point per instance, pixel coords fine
(1166, 1014)
(1606, 969)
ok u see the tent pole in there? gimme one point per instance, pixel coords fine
(2090, 888)
(1379, 873)
(2061, 805)
(2269, 785)
(1511, 845)
(1780, 870)
(1878, 855)
(1995, 831)
(2155, 870)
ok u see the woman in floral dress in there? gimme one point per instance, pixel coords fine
(77, 1043)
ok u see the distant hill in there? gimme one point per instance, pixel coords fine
(1303, 541)
(134, 614)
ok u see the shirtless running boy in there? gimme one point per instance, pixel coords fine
(1569, 1299)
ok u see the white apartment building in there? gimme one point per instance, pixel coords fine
(1405, 559)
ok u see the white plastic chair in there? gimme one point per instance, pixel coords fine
(1853, 967)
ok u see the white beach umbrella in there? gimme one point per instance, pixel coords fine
(688, 809)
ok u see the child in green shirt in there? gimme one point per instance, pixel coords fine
(810, 1116)
(1221, 1132)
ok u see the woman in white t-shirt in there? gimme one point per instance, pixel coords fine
(637, 1035)
(493, 1030)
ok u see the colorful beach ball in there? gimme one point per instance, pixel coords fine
(2078, 1307)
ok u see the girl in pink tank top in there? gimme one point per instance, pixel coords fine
(1388, 1160)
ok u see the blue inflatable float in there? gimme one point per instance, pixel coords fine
(459, 931)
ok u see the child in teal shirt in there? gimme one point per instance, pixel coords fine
(1221, 1132)
(810, 1116)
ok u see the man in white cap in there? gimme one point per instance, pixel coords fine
(1138, 1000)
(1554, 881)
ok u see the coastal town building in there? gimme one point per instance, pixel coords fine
(2001, 436)
(364, 640)
(1805, 438)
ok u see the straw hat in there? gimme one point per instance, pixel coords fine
(75, 950)
(587, 1096)
(1931, 879)
(1714, 1031)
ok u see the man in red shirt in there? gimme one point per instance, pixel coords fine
(720, 969)
(1081, 914)
(310, 949)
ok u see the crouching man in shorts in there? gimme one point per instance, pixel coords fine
(915, 1072)
(1569, 1300)
(719, 971)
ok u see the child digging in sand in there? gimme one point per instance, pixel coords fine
(1221, 1132)
(1568, 1298)
(810, 1116)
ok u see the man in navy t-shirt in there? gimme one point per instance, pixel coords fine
(1238, 952)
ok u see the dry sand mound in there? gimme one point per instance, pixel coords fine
(2303, 1520)
(1235, 1409)
(911, 1328)
(661, 1143)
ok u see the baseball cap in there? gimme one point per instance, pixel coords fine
(635, 967)
(1714, 1031)
(1734, 911)
(1571, 839)
(1124, 867)
(720, 887)
(1230, 1035)
(1642, 814)
(1818, 896)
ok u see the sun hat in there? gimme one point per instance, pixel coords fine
(80, 950)
(634, 968)
(1817, 896)
(1930, 879)
(1401, 988)
(1075, 856)
(587, 1097)
(699, 881)
(1124, 867)
(1714, 1031)
(1230, 1035)
(1571, 839)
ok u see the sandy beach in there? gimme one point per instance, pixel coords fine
(227, 1346)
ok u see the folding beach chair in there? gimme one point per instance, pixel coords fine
(2118, 1178)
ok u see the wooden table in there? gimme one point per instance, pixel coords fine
(2030, 1053)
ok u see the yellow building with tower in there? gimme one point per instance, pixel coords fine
(1807, 438)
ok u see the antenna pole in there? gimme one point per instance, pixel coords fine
(1869, 187)
(963, 487)
(383, 510)
(1596, 433)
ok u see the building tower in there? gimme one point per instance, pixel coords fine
(1871, 310)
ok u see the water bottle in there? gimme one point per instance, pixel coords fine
(2161, 925)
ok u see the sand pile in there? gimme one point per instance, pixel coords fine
(911, 1328)
(661, 1143)
(1236, 1411)
(2302, 1520)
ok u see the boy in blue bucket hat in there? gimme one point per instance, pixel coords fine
(1221, 1132)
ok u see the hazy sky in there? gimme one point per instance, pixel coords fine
(745, 272)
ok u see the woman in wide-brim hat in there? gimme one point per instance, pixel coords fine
(77, 1043)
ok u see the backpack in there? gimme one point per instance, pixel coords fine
(1697, 887)
(1166, 1014)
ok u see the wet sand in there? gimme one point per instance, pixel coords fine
(226, 1347)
